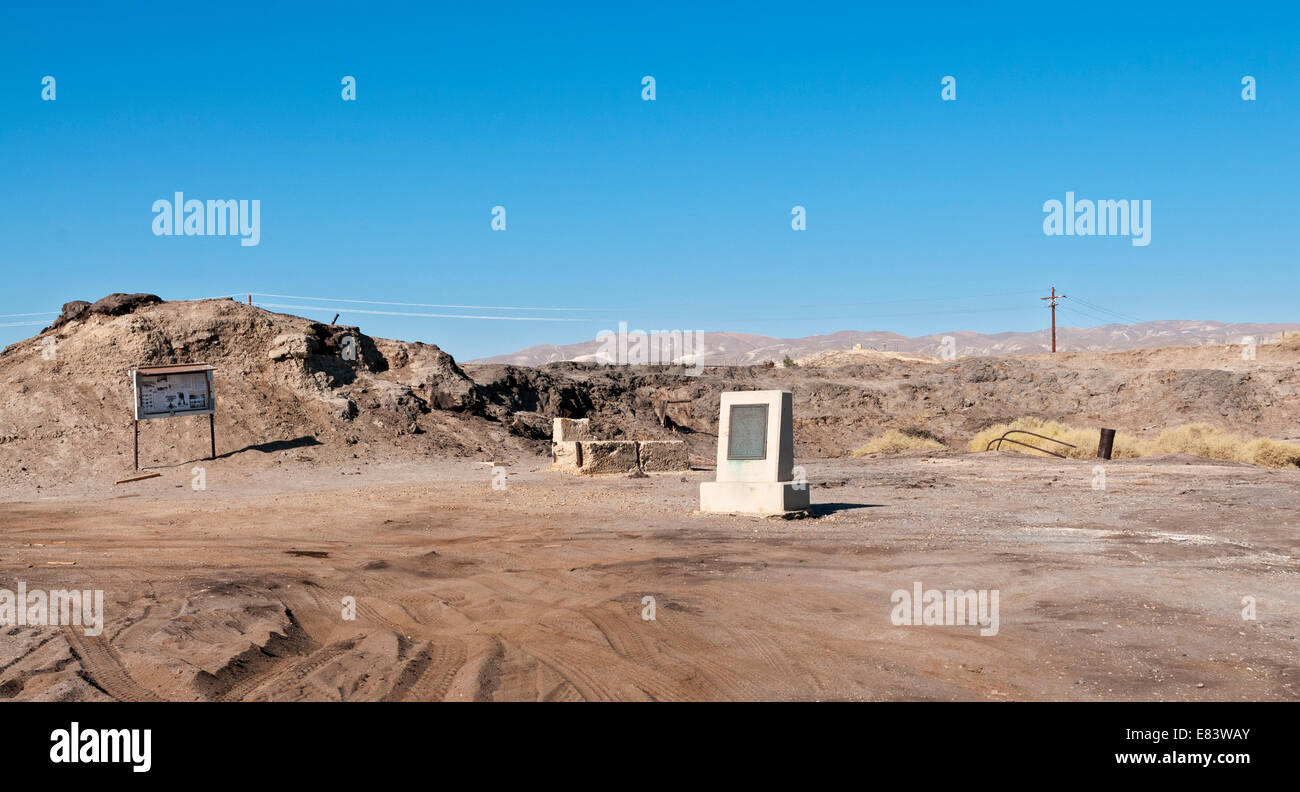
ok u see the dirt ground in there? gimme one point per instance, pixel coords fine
(535, 591)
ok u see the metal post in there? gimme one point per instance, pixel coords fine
(1106, 443)
(136, 423)
(212, 434)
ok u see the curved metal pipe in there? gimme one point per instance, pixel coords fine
(1026, 445)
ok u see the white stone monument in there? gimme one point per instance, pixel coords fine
(755, 456)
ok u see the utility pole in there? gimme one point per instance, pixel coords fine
(1054, 297)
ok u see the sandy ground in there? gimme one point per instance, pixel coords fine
(236, 592)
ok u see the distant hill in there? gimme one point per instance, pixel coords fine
(743, 348)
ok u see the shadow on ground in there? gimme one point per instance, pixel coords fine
(305, 441)
(824, 509)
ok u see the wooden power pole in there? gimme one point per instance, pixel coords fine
(1054, 297)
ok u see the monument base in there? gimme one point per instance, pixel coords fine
(752, 497)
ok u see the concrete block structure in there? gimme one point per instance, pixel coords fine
(566, 456)
(663, 456)
(575, 449)
(566, 433)
(568, 430)
(755, 456)
(607, 456)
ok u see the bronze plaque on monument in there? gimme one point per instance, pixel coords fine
(748, 432)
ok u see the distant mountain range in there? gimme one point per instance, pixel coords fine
(742, 348)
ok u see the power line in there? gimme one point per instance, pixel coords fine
(915, 299)
(1082, 308)
(422, 305)
(675, 310)
(772, 318)
(900, 300)
(217, 297)
(329, 309)
(1123, 317)
(412, 314)
(625, 309)
(1076, 311)
(1114, 315)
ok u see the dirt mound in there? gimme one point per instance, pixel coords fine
(283, 387)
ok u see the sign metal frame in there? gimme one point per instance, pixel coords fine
(144, 382)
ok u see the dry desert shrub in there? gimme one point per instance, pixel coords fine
(893, 441)
(1083, 440)
(1214, 443)
(1290, 341)
(1200, 439)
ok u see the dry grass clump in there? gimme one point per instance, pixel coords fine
(894, 441)
(1199, 439)
(1084, 440)
(1214, 443)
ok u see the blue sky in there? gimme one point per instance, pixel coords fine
(923, 216)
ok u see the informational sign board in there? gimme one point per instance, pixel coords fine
(166, 391)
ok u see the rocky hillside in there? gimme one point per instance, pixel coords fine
(282, 385)
(287, 395)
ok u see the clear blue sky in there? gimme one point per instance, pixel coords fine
(666, 214)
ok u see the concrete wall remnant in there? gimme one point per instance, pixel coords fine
(568, 430)
(608, 456)
(663, 456)
(574, 448)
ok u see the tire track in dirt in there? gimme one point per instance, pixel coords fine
(247, 669)
(649, 673)
(722, 677)
(487, 676)
(598, 671)
(30, 651)
(573, 667)
(428, 676)
(761, 649)
(102, 668)
(626, 665)
(299, 668)
(624, 640)
(708, 677)
(369, 611)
